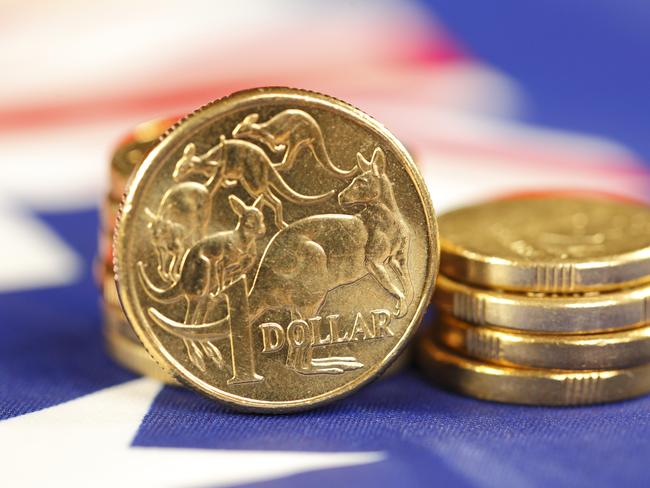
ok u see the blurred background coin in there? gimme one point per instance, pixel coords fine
(554, 243)
(526, 385)
(559, 314)
(611, 350)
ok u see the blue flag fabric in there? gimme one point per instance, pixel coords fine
(64, 403)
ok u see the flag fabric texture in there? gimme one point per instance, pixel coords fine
(78, 75)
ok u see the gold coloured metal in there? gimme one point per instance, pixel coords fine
(125, 347)
(131, 151)
(611, 350)
(557, 243)
(561, 314)
(529, 386)
(109, 291)
(129, 352)
(276, 250)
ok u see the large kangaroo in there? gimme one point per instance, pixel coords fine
(234, 160)
(207, 268)
(290, 131)
(314, 255)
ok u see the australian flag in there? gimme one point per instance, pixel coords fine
(490, 99)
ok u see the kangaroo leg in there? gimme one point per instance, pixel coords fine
(290, 156)
(379, 271)
(213, 353)
(274, 203)
(217, 279)
(161, 263)
(215, 181)
(399, 265)
(210, 350)
(171, 267)
(194, 354)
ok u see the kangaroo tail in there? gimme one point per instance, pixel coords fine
(321, 155)
(292, 195)
(159, 294)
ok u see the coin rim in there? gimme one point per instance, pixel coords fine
(133, 357)
(480, 300)
(433, 359)
(192, 123)
(600, 345)
(484, 268)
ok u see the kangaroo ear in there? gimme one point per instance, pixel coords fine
(190, 150)
(258, 202)
(237, 205)
(251, 118)
(362, 163)
(378, 162)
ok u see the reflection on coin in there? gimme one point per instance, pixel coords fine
(308, 244)
(563, 314)
(109, 291)
(529, 386)
(132, 150)
(612, 350)
(131, 354)
(555, 244)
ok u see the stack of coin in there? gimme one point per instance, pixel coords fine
(122, 342)
(543, 300)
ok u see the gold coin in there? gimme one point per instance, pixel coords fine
(529, 386)
(560, 314)
(556, 243)
(108, 214)
(132, 150)
(109, 291)
(611, 350)
(114, 317)
(276, 250)
(131, 354)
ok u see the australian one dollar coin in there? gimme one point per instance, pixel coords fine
(276, 250)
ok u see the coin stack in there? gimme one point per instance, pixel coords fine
(122, 342)
(543, 300)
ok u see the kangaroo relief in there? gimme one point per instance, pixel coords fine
(313, 256)
(278, 252)
(289, 132)
(236, 161)
(208, 267)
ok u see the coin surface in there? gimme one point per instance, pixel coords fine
(611, 350)
(276, 250)
(561, 314)
(529, 386)
(127, 350)
(109, 290)
(130, 353)
(556, 243)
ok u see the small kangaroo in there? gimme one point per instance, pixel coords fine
(314, 255)
(180, 220)
(208, 267)
(234, 160)
(290, 131)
